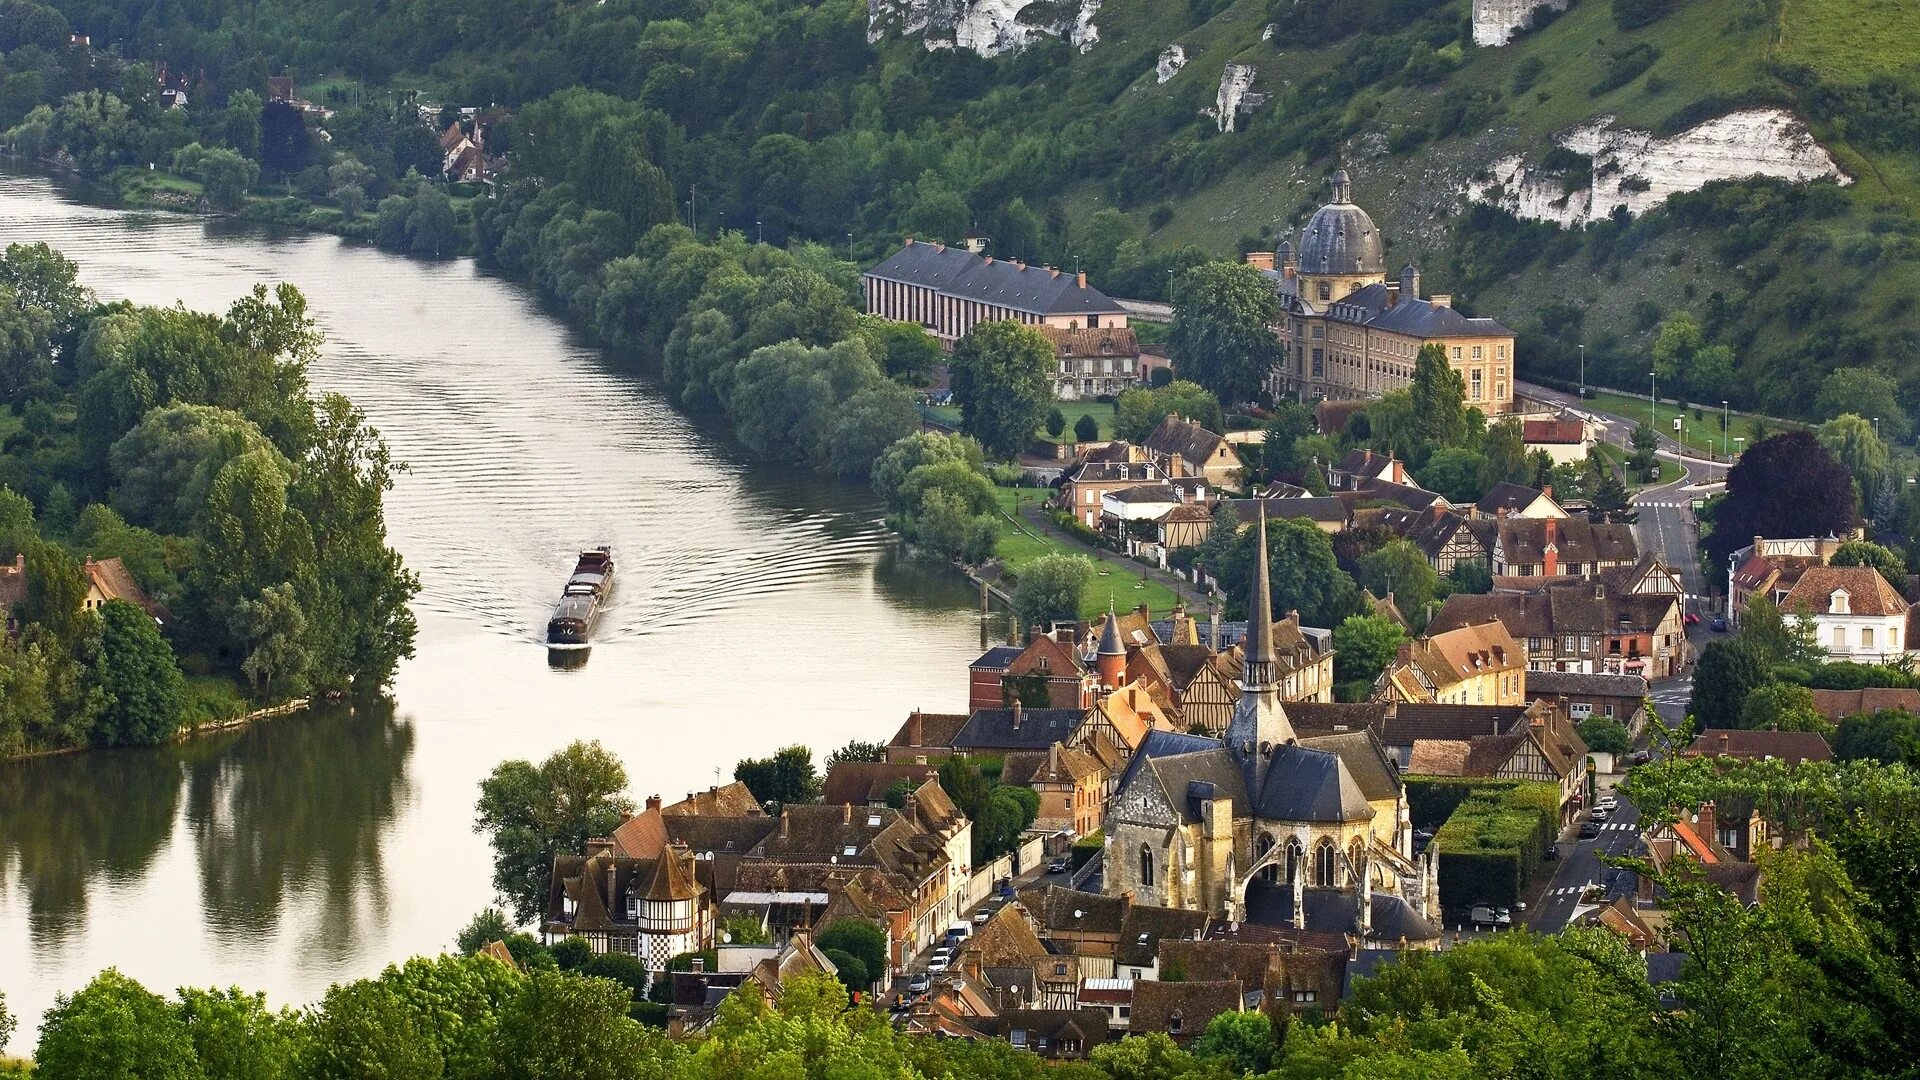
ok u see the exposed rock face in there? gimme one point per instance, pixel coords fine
(987, 27)
(1172, 59)
(1236, 95)
(1635, 170)
(1494, 21)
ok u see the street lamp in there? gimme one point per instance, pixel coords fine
(1723, 429)
(1583, 371)
(1876, 427)
(1653, 402)
(761, 229)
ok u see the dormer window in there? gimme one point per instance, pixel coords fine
(1839, 603)
(849, 850)
(873, 819)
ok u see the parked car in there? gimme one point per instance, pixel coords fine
(920, 983)
(1718, 625)
(1640, 757)
(1600, 813)
(1488, 917)
(1058, 864)
(981, 916)
(939, 963)
(1552, 852)
(1588, 830)
(1608, 804)
(1692, 619)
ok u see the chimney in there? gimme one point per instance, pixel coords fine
(1260, 260)
(1018, 713)
(1550, 555)
(1213, 628)
(989, 260)
(846, 813)
(912, 805)
(1547, 490)
(784, 823)
(1501, 513)
(1406, 652)
(1053, 760)
(1723, 744)
(909, 240)
(612, 900)
(1707, 830)
(1442, 300)
(1289, 272)
(1080, 279)
(1020, 265)
(1599, 590)
(916, 730)
(653, 802)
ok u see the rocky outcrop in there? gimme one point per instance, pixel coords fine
(987, 27)
(1236, 95)
(1496, 21)
(1172, 59)
(1637, 171)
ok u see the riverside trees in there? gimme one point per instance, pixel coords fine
(188, 446)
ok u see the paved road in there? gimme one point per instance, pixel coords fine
(1667, 526)
(1580, 867)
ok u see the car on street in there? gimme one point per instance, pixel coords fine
(920, 983)
(981, 916)
(1718, 625)
(1058, 865)
(1600, 813)
(1489, 917)
(1588, 830)
(940, 962)
(1692, 619)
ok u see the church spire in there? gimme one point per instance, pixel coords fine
(1259, 667)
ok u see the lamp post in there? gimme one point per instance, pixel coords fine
(761, 229)
(1583, 371)
(1724, 416)
(1876, 427)
(1653, 402)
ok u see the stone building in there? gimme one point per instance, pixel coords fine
(1347, 331)
(949, 290)
(1263, 824)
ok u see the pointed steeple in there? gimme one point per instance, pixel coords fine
(1259, 721)
(1111, 657)
(1259, 667)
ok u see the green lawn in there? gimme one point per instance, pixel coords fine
(1669, 470)
(1122, 585)
(1701, 434)
(1851, 42)
(1101, 412)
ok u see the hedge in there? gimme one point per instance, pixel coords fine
(1493, 840)
(1433, 799)
(1087, 847)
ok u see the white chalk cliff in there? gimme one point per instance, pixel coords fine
(1172, 59)
(1495, 21)
(1236, 95)
(1635, 170)
(987, 27)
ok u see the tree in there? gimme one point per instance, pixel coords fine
(1891, 565)
(1244, 1040)
(1780, 706)
(1727, 672)
(1399, 568)
(863, 943)
(114, 1029)
(1471, 577)
(857, 750)
(367, 1029)
(1605, 735)
(786, 777)
(145, 692)
(285, 144)
(1775, 637)
(235, 1035)
(1222, 336)
(1609, 502)
(1303, 573)
(1851, 439)
(1675, 346)
(1056, 423)
(1002, 375)
(487, 925)
(925, 448)
(1889, 736)
(1439, 399)
(864, 425)
(1787, 485)
(1505, 449)
(533, 814)
(1363, 646)
(563, 1025)
(432, 228)
(275, 632)
(1051, 587)
(1280, 449)
(1456, 473)
(1086, 429)
(224, 174)
(1864, 392)
(7, 1022)
(1138, 412)
(163, 469)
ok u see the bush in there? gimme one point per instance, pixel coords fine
(1087, 847)
(1086, 429)
(1605, 736)
(1493, 840)
(1847, 675)
(1056, 422)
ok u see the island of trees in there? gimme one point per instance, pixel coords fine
(249, 511)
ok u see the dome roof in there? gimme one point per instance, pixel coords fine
(1340, 237)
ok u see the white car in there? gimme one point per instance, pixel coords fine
(980, 917)
(937, 965)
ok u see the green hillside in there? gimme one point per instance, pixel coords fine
(782, 117)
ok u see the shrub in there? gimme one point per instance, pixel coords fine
(1086, 429)
(1493, 840)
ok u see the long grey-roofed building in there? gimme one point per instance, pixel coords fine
(949, 289)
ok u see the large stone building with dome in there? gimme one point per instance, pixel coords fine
(1348, 331)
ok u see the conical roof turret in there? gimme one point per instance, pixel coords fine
(1110, 635)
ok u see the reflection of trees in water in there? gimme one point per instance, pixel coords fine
(77, 822)
(299, 809)
(921, 584)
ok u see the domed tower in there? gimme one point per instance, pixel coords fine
(1340, 250)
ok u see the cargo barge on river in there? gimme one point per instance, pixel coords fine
(579, 608)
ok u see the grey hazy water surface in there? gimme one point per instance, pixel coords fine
(754, 608)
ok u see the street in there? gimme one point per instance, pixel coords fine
(1580, 868)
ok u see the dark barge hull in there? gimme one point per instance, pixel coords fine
(587, 589)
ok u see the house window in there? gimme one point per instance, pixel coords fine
(1176, 1022)
(1018, 1037)
(1500, 353)
(1866, 637)
(1477, 353)
(1093, 322)
(1126, 1011)
(1476, 385)
(1839, 637)
(1301, 997)
(1146, 865)
(1059, 969)
(1456, 352)
(1326, 290)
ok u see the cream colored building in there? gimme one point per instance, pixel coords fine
(1347, 331)
(950, 290)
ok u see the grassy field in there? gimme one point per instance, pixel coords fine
(1669, 470)
(1702, 434)
(1101, 412)
(1122, 584)
(1850, 42)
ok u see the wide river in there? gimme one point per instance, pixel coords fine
(755, 608)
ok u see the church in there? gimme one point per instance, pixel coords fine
(1347, 332)
(1267, 825)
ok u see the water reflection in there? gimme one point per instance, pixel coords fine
(68, 823)
(299, 809)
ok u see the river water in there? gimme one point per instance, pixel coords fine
(755, 607)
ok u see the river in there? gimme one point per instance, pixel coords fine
(756, 607)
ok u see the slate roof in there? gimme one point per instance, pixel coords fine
(1430, 530)
(1575, 684)
(1366, 762)
(956, 271)
(1412, 723)
(1157, 1004)
(1304, 784)
(1144, 927)
(1187, 439)
(1187, 779)
(1147, 493)
(1340, 238)
(1394, 919)
(1425, 319)
(1319, 508)
(1158, 744)
(1324, 717)
(1058, 910)
(1524, 540)
(997, 658)
(1507, 496)
(936, 729)
(1017, 729)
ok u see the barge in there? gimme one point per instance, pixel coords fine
(579, 608)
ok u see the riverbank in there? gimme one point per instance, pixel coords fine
(186, 732)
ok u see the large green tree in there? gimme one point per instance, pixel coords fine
(145, 692)
(114, 1029)
(1439, 399)
(1138, 411)
(1786, 485)
(1399, 568)
(533, 813)
(1222, 337)
(235, 1035)
(1002, 376)
(1051, 587)
(1727, 672)
(786, 777)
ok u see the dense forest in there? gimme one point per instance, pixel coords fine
(246, 510)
